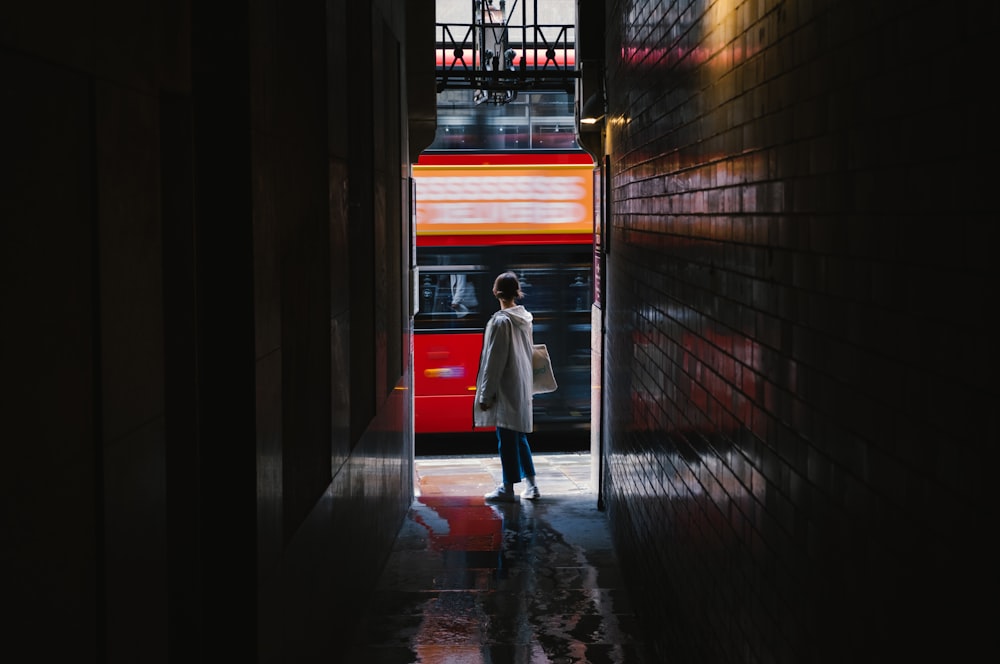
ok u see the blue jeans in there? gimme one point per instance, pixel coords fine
(515, 455)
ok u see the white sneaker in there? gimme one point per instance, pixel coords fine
(531, 493)
(500, 495)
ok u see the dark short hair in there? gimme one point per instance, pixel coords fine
(507, 286)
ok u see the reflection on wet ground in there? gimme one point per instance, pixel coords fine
(528, 582)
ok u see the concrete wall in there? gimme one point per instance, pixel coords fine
(206, 335)
(796, 379)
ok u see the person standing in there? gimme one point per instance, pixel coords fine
(503, 388)
(463, 295)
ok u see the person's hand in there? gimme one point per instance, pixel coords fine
(484, 405)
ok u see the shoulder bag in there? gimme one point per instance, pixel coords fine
(543, 380)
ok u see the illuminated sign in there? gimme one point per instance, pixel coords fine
(507, 199)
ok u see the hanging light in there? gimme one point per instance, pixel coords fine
(593, 109)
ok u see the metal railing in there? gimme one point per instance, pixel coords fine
(498, 59)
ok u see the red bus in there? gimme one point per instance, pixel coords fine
(478, 215)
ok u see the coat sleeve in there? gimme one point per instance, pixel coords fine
(496, 348)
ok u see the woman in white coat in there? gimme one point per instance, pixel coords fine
(503, 388)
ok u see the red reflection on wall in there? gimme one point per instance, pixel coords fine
(713, 389)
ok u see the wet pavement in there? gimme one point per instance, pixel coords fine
(530, 582)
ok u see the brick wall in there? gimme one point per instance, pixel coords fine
(797, 360)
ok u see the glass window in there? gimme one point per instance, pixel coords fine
(451, 291)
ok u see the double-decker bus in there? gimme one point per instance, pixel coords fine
(478, 215)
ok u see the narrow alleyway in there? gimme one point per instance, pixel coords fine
(529, 582)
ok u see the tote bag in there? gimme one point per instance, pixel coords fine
(543, 380)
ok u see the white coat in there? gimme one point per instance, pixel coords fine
(504, 378)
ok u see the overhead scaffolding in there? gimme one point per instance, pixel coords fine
(500, 53)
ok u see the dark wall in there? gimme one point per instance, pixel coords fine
(796, 372)
(191, 435)
(52, 525)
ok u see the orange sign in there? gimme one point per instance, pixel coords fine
(471, 200)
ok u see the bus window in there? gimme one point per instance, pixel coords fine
(579, 295)
(451, 291)
(555, 288)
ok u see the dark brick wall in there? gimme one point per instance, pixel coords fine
(797, 364)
